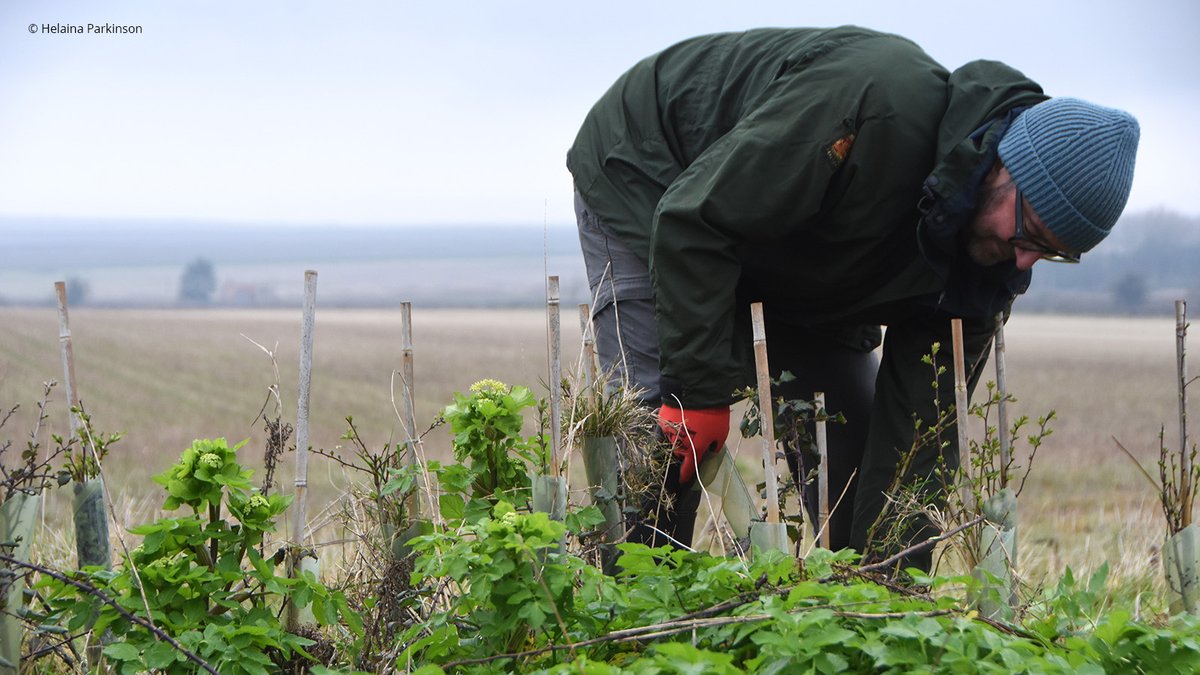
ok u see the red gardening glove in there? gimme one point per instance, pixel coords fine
(693, 433)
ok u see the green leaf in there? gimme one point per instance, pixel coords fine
(901, 630)
(402, 483)
(476, 510)
(81, 615)
(324, 610)
(452, 506)
(348, 615)
(582, 520)
(302, 596)
(122, 651)
(161, 654)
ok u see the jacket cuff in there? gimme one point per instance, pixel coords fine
(672, 391)
(677, 395)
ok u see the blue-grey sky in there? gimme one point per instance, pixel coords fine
(295, 111)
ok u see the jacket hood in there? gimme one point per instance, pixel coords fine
(984, 98)
(981, 93)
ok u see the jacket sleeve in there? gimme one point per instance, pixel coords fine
(799, 150)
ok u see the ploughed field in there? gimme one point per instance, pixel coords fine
(166, 377)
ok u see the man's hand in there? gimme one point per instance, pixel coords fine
(692, 434)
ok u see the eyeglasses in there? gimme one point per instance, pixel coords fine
(1019, 240)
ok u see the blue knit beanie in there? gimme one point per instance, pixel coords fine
(1073, 160)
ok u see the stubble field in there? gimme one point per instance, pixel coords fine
(165, 378)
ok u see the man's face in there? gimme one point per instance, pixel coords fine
(988, 242)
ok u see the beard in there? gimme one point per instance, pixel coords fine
(982, 245)
(987, 251)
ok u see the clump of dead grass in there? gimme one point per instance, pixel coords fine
(601, 409)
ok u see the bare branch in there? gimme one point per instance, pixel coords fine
(1137, 464)
(921, 546)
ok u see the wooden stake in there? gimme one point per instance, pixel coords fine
(588, 357)
(306, 348)
(960, 394)
(1002, 406)
(1185, 460)
(764, 407)
(552, 311)
(407, 406)
(822, 471)
(407, 400)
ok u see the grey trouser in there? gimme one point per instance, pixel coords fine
(627, 341)
(622, 307)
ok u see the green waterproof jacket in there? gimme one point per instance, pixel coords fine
(824, 172)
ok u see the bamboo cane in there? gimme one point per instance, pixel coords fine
(1002, 406)
(306, 348)
(960, 394)
(1185, 460)
(68, 355)
(552, 310)
(764, 407)
(822, 470)
(68, 363)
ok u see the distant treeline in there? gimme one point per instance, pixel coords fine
(29, 243)
(118, 264)
(1150, 259)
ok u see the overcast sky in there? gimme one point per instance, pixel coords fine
(453, 112)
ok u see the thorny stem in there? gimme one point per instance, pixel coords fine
(100, 595)
(57, 649)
